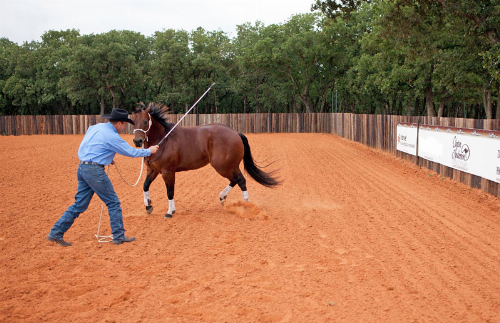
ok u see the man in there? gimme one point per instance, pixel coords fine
(97, 149)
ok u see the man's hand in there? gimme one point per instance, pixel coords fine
(112, 162)
(153, 149)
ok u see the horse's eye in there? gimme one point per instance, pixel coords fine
(145, 122)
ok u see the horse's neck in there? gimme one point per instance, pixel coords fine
(156, 133)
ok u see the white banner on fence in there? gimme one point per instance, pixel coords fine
(407, 138)
(473, 151)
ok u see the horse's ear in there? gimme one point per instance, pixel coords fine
(138, 107)
(148, 109)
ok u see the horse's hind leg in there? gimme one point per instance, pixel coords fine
(150, 177)
(242, 183)
(236, 178)
(225, 192)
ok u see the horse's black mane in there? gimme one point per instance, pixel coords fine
(159, 113)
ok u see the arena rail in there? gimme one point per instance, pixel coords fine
(376, 131)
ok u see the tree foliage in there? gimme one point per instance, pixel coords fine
(414, 57)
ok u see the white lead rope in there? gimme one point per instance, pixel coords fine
(138, 179)
(99, 237)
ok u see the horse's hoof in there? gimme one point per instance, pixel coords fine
(222, 201)
(168, 216)
(149, 209)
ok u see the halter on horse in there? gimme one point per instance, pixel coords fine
(189, 148)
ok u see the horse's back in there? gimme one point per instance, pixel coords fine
(212, 143)
(222, 134)
(217, 132)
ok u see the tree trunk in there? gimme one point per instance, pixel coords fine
(257, 107)
(296, 106)
(110, 88)
(215, 101)
(103, 105)
(441, 108)
(498, 102)
(113, 96)
(305, 99)
(408, 108)
(487, 102)
(428, 102)
(323, 103)
(386, 109)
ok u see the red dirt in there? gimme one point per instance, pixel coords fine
(353, 234)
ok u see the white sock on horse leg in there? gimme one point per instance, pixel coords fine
(245, 196)
(225, 192)
(171, 207)
(147, 199)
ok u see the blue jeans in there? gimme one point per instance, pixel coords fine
(92, 179)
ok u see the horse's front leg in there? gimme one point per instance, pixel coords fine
(169, 178)
(150, 177)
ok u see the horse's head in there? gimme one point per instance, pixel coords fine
(143, 121)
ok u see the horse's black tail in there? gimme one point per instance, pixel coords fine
(253, 170)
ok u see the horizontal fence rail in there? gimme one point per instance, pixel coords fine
(376, 131)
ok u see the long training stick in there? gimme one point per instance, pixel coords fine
(201, 97)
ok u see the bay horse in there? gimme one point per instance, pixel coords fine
(189, 148)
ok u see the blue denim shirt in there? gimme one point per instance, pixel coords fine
(102, 142)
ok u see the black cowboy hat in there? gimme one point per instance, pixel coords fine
(118, 115)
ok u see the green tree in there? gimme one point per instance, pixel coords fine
(106, 68)
(336, 8)
(479, 24)
(170, 69)
(491, 62)
(8, 60)
(33, 86)
(255, 77)
(209, 59)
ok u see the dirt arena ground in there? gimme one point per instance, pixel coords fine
(352, 235)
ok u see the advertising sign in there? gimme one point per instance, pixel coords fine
(407, 138)
(473, 151)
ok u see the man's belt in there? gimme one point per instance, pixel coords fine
(91, 163)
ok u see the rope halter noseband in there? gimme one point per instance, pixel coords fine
(149, 127)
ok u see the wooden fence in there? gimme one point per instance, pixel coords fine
(246, 123)
(379, 131)
(376, 131)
